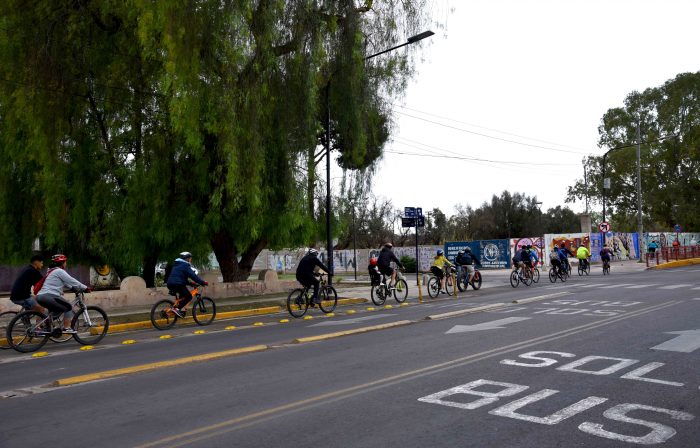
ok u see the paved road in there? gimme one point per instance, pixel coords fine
(598, 361)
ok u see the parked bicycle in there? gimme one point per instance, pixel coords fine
(462, 276)
(520, 275)
(382, 291)
(434, 283)
(29, 330)
(299, 300)
(203, 310)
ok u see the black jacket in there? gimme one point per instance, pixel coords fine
(467, 258)
(386, 256)
(308, 263)
(22, 287)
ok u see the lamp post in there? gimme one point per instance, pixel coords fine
(329, 240)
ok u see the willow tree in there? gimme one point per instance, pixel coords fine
(669, 121)
(173, 124)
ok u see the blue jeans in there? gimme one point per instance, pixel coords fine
(27, 303)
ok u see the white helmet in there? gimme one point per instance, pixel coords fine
(185, 255)
(313, 251)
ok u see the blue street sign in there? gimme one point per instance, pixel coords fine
(609, 234)
(409, 212)
(419, 211)
(677, 228)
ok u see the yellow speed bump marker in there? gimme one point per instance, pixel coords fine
(86, 347)
(230, 327)
(258, 324)
(128, 342)
(350, 312)
(40, 354)
(388, 307)
(404, 304)
(284, 321)
(370, 308)
(166, 336)
(199, 332)
(330, 314)
(308, 317)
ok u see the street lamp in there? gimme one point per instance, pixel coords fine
(329, 241)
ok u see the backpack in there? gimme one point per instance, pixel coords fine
(38, 285)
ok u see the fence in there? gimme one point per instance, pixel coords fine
(666, 254)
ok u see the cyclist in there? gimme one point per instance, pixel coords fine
(554, 260)
(582, 253)
(306, 270)
(606, 254)
(438, 268)
(178, 279)
(564, 254)
(50, 295)
(386, 256)
(534, 258)
(374, 274)
(466, 259)
(21, 289)
(525, 259)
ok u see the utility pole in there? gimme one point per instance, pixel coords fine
(585, 180)
(640, 224)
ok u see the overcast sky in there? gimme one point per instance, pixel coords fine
(540, 73)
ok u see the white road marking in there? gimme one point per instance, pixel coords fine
(682, 285)
(686, 342)
(696, 289)
(641, 286)
(616, 286)
(590, 286)
(486, 325)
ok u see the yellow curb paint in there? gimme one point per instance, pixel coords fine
(350, 312)
(308, 317)
(284, 321)
(40, 354)
(86, 347)
(157, 365)
(166, 336)
(351, 332)
(676, 264)
(388, 307)
(199, 332)
(230, 327)
(370, 308)
(330, 315)
(128, 342)
(258, 324)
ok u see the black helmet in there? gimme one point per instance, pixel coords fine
(467, 249)
(461, 252)
(562, 245)
(440, 252)
(388, 245)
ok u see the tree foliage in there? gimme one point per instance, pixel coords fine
(669, 121)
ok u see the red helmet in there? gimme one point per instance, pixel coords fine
(59, 258)
(373, 261)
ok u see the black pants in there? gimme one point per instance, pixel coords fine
(308, 280)
(183, 292)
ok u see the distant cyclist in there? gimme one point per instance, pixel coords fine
(21, 293)
(179, 278)
(525, 258)
(51, 293)
(606, 254)
(466, 259)
(386, 256)
(534, 258)
(306, 272)
(438, 268)
(564, 254)
(582, 253)
(554, 259)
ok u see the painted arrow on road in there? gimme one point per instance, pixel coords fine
(329, 323)
(687, 341)
(486, 325)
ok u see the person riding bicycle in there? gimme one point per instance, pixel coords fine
(180, 276)
(438, 268)
(50, 295)
(606, 254)
(554, 260)
(306, 271)
(466, 259)
(534, 258)
(374, 274)
(21, 293)
(564, 254)
(525, 258)
(582, 253)
(386, 256)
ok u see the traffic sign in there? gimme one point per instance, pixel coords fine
(419, 211)
(409, 212)
(410, 221)
(604, 226)
(677, 228)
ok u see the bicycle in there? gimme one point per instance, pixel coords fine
(381, 292)
(434, 283)
(462, 279)
(582, 269)
(203, 310)
(555, 274)
(29, 330)
(7, 316)
(299, 300)
(535, 273)
(517, 277)
(606, 267)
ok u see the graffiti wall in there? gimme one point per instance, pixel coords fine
(537, 242)
(570, 240)
(664, 239)
(625, 246)
(492, 254)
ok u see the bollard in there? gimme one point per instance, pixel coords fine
(454, 284)
(420, 291)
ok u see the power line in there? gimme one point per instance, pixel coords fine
(489, 129)
(490, 136)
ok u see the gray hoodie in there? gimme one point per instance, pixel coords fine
(57, 280)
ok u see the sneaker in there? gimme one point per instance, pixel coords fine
(177, 312)
(68, 331)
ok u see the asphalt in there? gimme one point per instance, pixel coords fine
(364, 390)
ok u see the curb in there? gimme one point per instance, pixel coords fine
(676, 264)
(119, 328)
(323, 337)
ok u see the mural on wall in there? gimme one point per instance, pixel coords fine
(536, 242)
(625, 246)
(664, 239)
(103, 277)
(570, 240)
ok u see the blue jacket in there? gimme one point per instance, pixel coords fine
(182, 271)
(564, 253)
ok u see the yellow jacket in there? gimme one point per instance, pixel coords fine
(441, 261)
(582, 253)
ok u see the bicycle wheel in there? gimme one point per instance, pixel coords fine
(297, 303)
(462, 281)
(5, 319)
(401, 291)
(527, 278)
(606, 269)
(552, 275)
(563, 277)
(162, 315)
(536, 275)
(378, 294)
(21, 332)
(204, 311)
(476, 280)
(433, 287)
(580, 269)
(514, 279)
(329, 299)
(587, 269)
(91, 325)
(450, 286)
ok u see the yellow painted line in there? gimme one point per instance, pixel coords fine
(40, 354)
(352, 301)
(308, 317)
(284, 321)
(388, 307)
(258, 324)
(157, 365)
(166, 336)
(330, 315)
(86, 347)
(199, 332)
(323, 337)
(676, 264)
(128, 342)
(350, 312)
(371, 308)
(230, 327)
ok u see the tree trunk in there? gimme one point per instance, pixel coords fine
(149, 269)
(226, 254)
